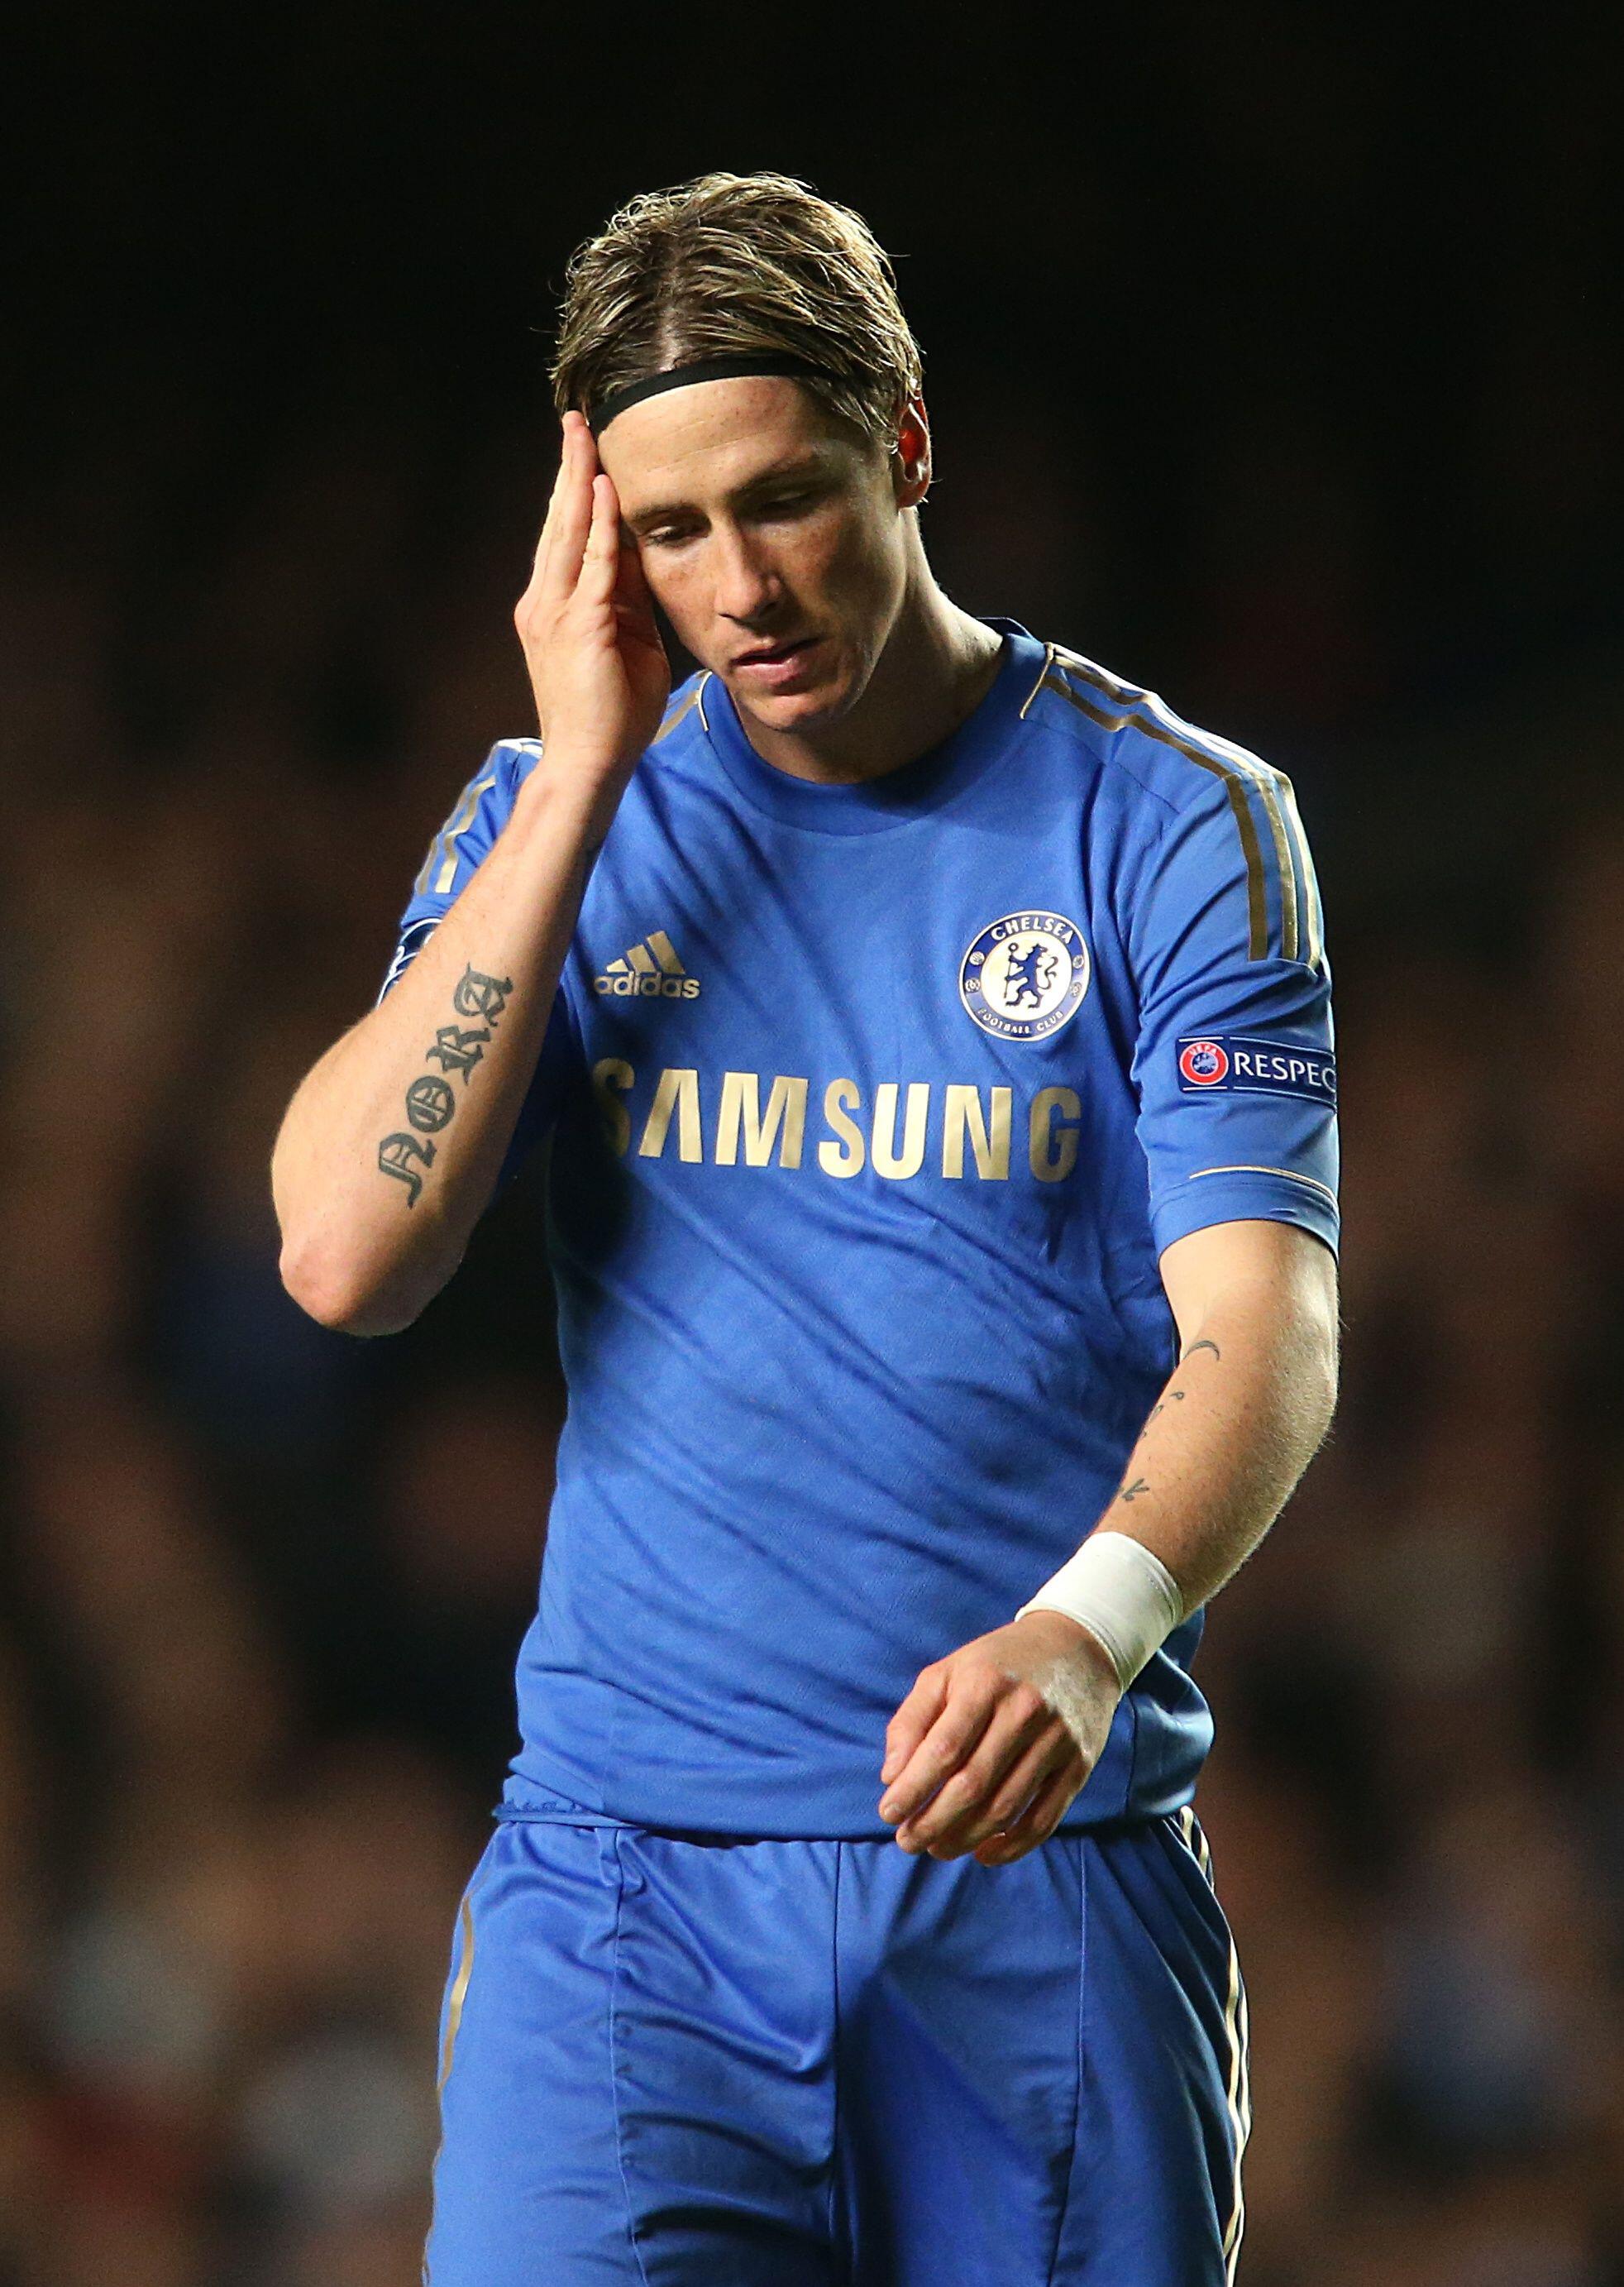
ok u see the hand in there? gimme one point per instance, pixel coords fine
(991, 1747)
(596, 663)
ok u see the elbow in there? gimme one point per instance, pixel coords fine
(335, 1295)
(1326, 1410)
(1321, 1379)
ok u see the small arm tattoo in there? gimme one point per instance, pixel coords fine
(1203, 1345)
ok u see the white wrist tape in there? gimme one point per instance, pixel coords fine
(1119, 1592)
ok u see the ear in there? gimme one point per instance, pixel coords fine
(910, 462)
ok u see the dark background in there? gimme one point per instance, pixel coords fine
(1273, 360)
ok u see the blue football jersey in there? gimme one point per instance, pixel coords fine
(871, 1108)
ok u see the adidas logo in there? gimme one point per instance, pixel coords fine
(650, 971)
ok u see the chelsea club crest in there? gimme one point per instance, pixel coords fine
(1025, 976)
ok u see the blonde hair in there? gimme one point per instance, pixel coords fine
(728, 265)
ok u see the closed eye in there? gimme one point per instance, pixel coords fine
(772, 506)
(789, 504)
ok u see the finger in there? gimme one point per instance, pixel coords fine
(963, 1798)
(574, 513)
(912, 1719)
(951, 1740)
(1054, 1757)
(1018, 1754)
(1039, 1819)
(600, 570)
(633, 599)
(1016, 1709)
(549, 523)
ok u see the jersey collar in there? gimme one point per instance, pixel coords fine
(900, 796)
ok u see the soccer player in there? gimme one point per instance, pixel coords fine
(930, 1032)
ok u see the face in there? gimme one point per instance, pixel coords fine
(774, 537)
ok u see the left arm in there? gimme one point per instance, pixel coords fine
(993, 1743)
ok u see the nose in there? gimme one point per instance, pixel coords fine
(746, 588)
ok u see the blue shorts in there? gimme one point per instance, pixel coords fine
(677, 2061)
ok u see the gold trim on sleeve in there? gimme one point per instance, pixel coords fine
(1291, 1175)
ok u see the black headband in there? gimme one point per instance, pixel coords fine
(739, 366)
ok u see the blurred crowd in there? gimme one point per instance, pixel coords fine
(262, 1585)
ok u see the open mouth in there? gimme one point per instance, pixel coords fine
(779, 654)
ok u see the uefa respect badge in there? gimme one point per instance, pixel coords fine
(1245, 1064)
(1025, 976)
(1204, 1064)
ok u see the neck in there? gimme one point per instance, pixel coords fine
(937, 665)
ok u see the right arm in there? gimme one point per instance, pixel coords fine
(376, 1201)
(392, 1145)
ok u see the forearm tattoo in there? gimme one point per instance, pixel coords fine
(1130, 1489)
(432, 1101)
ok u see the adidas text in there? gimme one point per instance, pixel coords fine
(648, 971)
(627, 985)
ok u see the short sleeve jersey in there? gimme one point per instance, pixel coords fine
(871, 1110)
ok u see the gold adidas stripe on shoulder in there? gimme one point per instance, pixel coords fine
(1234, 788)
(680, 713)
(1315, 917)
(436, 879)
(1302, 935)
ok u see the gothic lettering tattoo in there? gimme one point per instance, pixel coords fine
(396, 1154)
(429, 1105)
(479, 995)
(431, 1102)
(452, 1049)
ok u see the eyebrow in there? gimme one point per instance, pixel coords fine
(808, 465)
